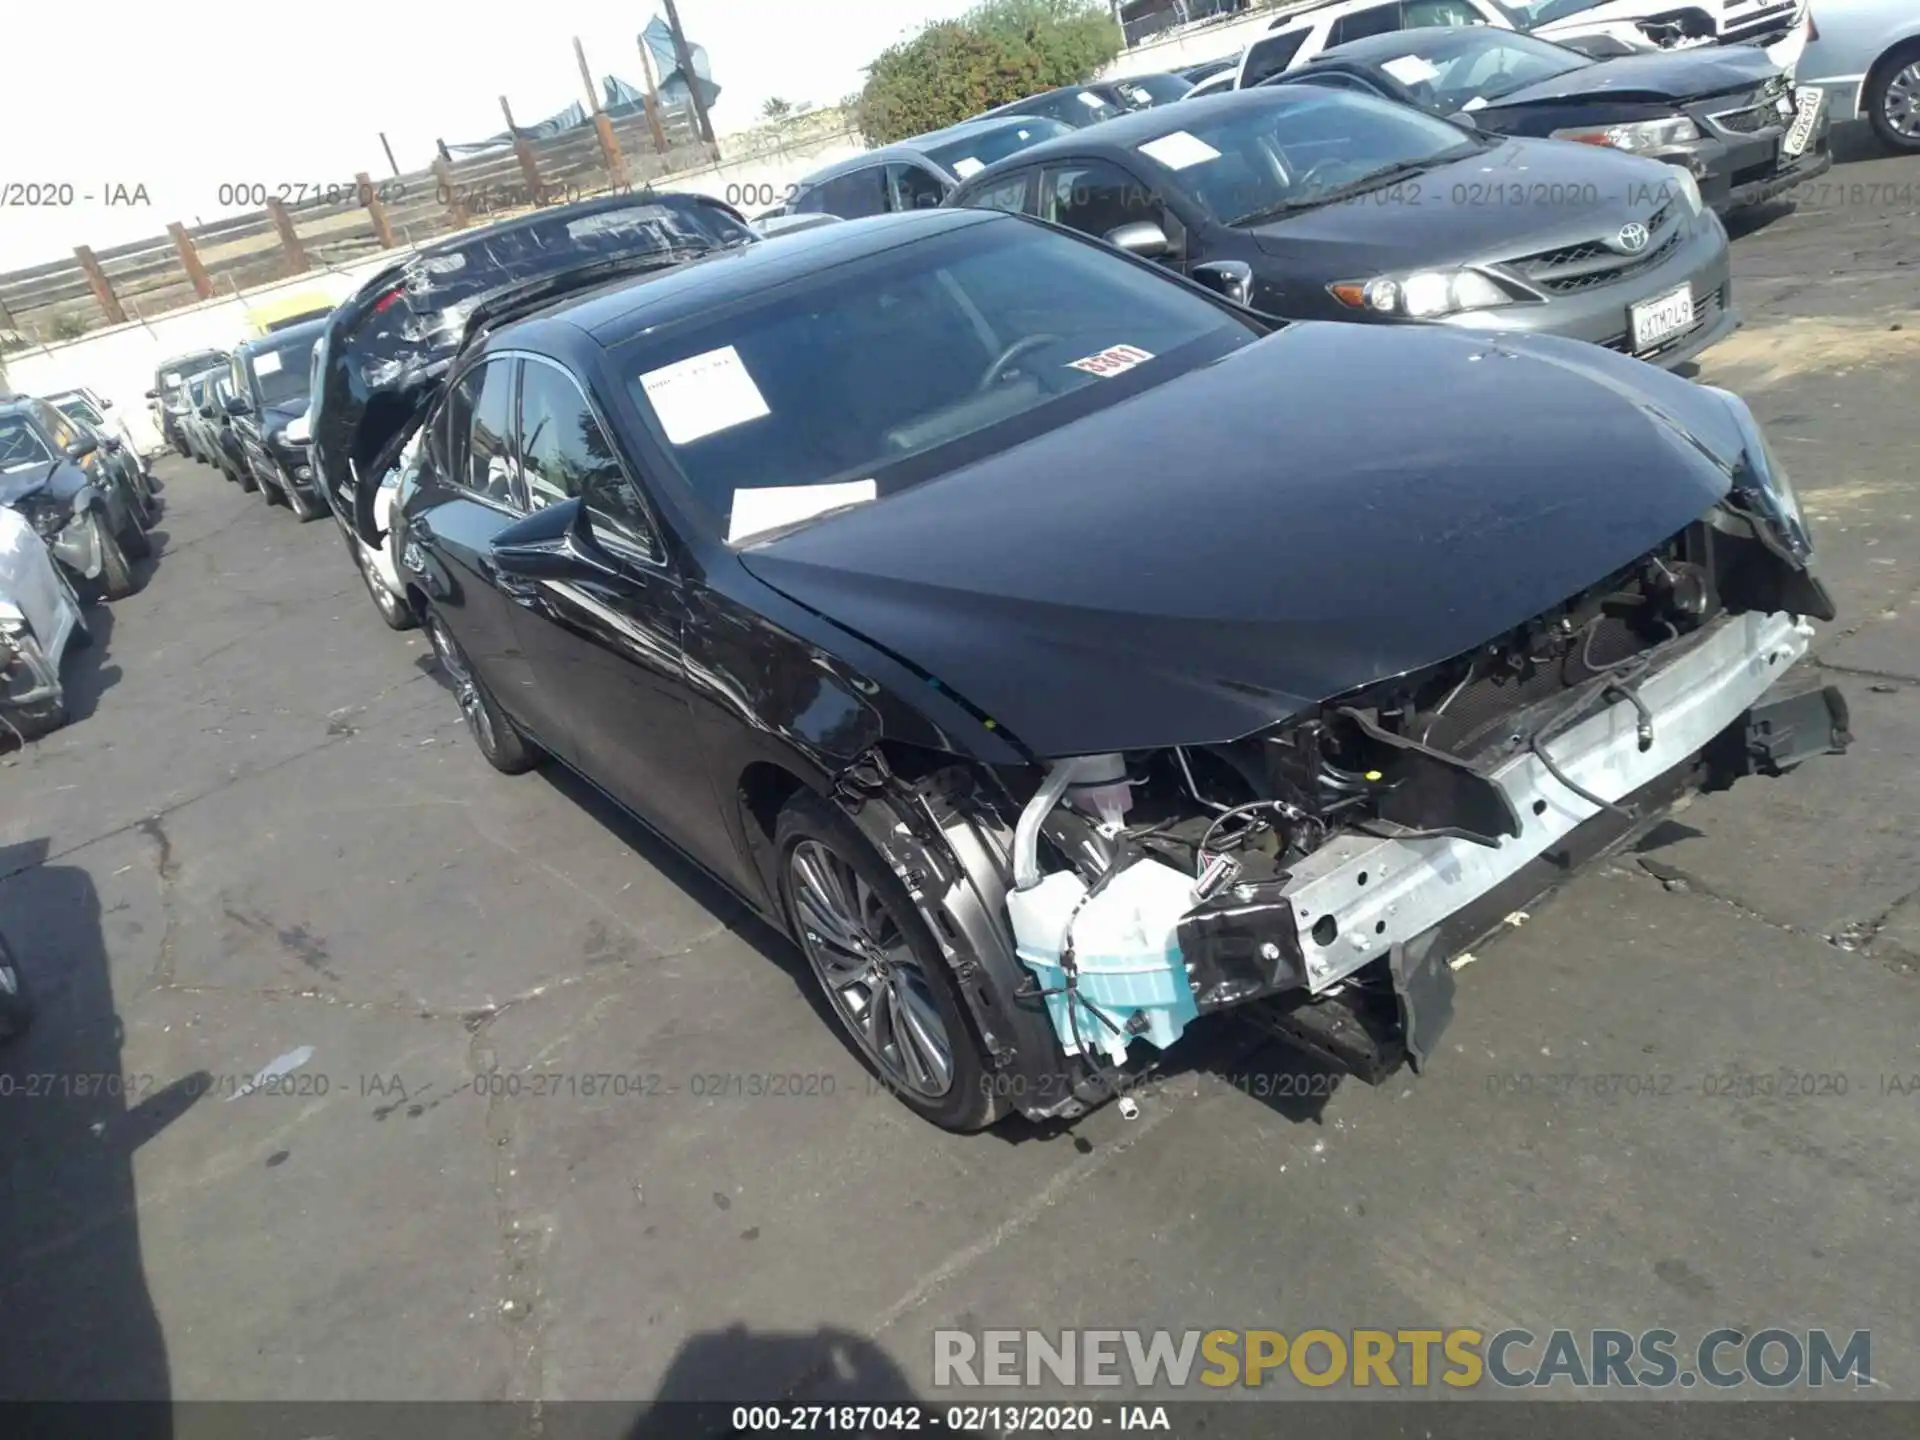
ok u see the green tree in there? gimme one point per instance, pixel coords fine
(776, 109)
(998, 52)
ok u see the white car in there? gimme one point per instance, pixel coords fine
(1600, 28)
(379, 565)
(1865, 54)
(40, 620)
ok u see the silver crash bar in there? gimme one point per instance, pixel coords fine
(1363, 895)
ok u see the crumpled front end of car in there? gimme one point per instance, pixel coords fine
(1323, 875)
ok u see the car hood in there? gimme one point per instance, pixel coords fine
(1463, 211)
(1662, 75)
(1330, 506)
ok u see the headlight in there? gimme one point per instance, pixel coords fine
(47, 515)
(1768, 475)
(1638, 138)
(1689, 190)
(1423, 294)
(298, 430)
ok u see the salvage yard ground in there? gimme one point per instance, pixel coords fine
(266, 837)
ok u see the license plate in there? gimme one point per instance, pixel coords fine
(1664, 316)
(1808, 101)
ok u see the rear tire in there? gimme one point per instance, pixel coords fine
(16, 1002)
(839, 896)
(1895, 85)
(502, 746)
(133, 539)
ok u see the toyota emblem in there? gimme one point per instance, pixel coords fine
(1632, 238)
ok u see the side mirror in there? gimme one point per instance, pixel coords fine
(555, 543)
(1140, 237)
(1231, 278)
(236, 405)
(105, 404)
(206, 412)
(151, 395)
(83, 447)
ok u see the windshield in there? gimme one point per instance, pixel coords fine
(21, 443)
(1142, 92)
(1307, 147)
(884, 372)
(282, 374)
(77, 407)
(1453, 71)
(976, 152)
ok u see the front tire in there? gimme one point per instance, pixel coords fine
(883, 975)
(303, 508)
(1892, 99)
(392, 609)
(502, 746)
(116, 571)
(16, 1004)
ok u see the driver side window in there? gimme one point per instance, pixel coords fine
(481, 413)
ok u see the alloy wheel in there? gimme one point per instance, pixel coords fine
(384, 600)
(1902, 105)
(466, 689)
(869, 971)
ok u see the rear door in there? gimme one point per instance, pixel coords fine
(464, 496)
(605, 643)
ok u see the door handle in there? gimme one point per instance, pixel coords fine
(521, 592)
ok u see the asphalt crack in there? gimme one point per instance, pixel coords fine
(166, 870)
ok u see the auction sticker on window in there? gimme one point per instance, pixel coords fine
(1114, 360)
(1410, 69)
(968, 166)
(267, 362)
(768, 507)
(1091, 100)
(703, 395)
(1179, 150)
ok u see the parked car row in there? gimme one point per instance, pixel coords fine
(242, 411)
(76, 502)
(822, 553)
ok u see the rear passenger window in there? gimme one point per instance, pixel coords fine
(482, 418)
(850, 196)
(1271, 56)
(1380, 20)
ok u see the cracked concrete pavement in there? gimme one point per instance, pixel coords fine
(531, 1154)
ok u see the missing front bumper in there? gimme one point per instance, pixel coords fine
(1724, 709)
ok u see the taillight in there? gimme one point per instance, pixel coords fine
(387, 299)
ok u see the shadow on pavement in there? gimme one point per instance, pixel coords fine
(80, 1324)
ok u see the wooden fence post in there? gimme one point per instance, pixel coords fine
(529, 171)
(371, 196)
(651, 102)
(289, 237)
(102, 291)
(610, 155)
(449, 195)
(190, 261)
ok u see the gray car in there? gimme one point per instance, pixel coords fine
(915, 174)
(1313, 203)
(1865, 54)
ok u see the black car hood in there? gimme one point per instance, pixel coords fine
(1333, 505)
(1444, 215)
(1662, 75)
(56, 478)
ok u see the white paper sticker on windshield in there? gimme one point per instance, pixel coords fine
(1478, 102)
(1410, 69)
(1114, 360)
(1091, 100)
(1179, 150)
(266, 362)
(768, 507)
(968, 166)
(703, 395)
(172, 377)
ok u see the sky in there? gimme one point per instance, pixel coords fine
(299, 94)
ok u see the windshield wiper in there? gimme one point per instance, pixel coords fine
(1372, 180)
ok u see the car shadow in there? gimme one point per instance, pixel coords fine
(88, 674)
(83, 1325)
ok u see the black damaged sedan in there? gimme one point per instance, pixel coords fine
(1061, 654)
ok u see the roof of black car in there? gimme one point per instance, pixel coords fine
(915, 146)
(612, 312)
(18, 402)
(1130, 131)
(279, 339)
(573, 210)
